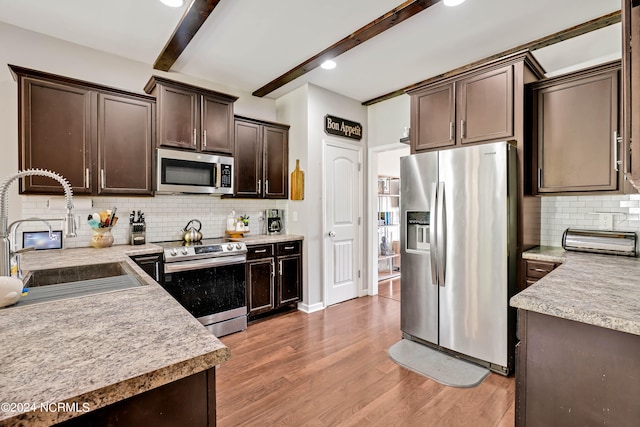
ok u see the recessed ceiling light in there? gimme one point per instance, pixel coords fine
(453, 2)
(328, 64)
(173, 3)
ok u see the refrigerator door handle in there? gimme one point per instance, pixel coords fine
(442, 235)
(433, 248)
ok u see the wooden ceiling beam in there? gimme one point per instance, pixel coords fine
(405, 11)
(193, 18)
(578, 30)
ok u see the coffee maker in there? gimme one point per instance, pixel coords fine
(274, 221)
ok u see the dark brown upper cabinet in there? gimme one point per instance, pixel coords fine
(261, 159)
(576, 125)
(475, 107)
(100, 139)
(484, 106)
(433, 117)
(192, 118)
(125, 145)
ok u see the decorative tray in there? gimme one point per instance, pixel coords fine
(236, 234)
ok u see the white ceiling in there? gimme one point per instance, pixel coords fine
(247, 43)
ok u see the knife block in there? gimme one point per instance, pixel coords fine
(137, 233)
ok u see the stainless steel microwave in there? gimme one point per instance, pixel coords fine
(198, 173)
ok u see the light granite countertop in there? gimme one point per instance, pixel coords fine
(600, 290)
(96, 349)
(261, 239)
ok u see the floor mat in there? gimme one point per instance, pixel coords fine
(437, 365)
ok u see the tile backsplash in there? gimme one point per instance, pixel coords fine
(583, 212)
(165, 215)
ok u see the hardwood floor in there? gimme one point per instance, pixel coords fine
(390, 288)
(331, 368)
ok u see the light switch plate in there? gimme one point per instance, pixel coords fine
(605, 221)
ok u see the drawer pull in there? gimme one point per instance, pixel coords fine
(260, 251)
(288, 248)
(541, 270)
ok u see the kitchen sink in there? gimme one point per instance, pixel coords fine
(68, 282)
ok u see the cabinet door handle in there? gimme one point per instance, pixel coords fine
(157, 265)
(461, 129)
(266, 186)
(86, 178)
(102, 178)
(450, 131)
(616, 141)
(195, 133)
(259, 186)
(539, 177)
(273, 269)
(204, 138)
(280, 267)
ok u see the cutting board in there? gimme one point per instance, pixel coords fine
(297, 183)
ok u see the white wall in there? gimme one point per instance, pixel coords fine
(387, 121)
(292, 109)
(32, 50)
(322, 102)
(304, 109)
(389, 161)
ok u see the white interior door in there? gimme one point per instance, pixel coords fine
(342, 213)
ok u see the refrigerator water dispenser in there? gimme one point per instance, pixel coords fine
(418, 229)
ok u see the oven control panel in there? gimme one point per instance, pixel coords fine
(204, 251)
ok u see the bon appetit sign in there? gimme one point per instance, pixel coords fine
(341, 127)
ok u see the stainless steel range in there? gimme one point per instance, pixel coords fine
(208, 279)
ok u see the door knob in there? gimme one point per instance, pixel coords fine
(332, 234)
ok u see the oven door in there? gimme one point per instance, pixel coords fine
(212, 290)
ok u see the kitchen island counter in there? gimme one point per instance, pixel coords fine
(93, 351)
(600, 290)
(579, 339)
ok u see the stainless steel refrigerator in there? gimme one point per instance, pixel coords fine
(458, 251)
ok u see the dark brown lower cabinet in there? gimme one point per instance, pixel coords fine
(289, 277)
(260, 286)
(274, 277)
(536, 270)
(152, 264)
(570, 373)
(190, 401)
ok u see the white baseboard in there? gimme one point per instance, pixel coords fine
(310, 308)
